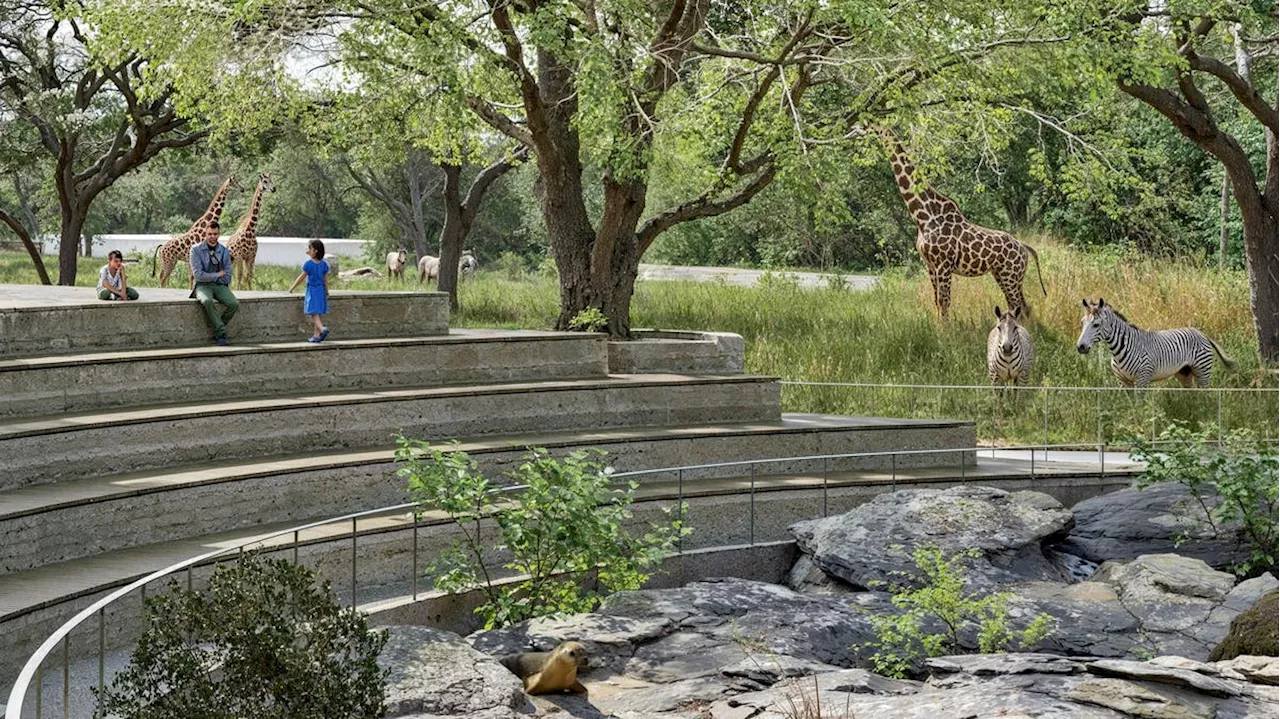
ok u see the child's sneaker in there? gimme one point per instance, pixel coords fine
(313, 339)
(323, 333)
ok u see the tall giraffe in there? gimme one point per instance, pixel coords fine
(176, 249)
(950, 244)
(243, 244)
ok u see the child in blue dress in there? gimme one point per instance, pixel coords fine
(316, 301)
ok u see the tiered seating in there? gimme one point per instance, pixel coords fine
(128, 443)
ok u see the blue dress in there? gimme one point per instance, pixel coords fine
(315, 303)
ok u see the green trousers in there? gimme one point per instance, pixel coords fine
(128, 292)
(207, 294)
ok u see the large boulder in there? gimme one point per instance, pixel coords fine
(434, 673)
(1160, 519)
(1253, 632)
(874, 542)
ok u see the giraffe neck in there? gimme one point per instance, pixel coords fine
(215, 207)
(926, 205)
(250, 222)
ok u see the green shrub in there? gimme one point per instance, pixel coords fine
(564, 532)
(264, 640)
(902, 640)
(589, 320)
(1232, 484)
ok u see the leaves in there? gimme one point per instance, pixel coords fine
(565, 530)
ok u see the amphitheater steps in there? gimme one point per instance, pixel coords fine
(75, 446)
(55, 522)
(34, 602)
(110, 380)
(166, 318)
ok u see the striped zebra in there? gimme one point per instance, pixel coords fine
(1009, 353)
(1139, 357)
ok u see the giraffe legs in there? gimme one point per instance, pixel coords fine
(165, 270)
(1011, 286)
(941, 278)
(248, 274)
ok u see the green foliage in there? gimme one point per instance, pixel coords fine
(589, 320)
(264, 640)
(564, 532)
(1232, 484)
(903, 640)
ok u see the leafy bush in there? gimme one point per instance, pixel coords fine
(265, 640)
(564, 532)
(1233, 484)
(589, 320)
(902, 641)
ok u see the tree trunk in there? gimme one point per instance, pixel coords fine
(32, 249)
(616, 254)
(451, 234)
(69, 244)
(1224, 213)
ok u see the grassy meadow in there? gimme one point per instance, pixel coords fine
(890, 335)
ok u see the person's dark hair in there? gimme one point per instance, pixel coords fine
(213, 224)
(318, 246)
(115, 255)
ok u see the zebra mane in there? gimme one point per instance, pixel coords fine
(1123, 319)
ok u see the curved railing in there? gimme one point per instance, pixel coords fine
(32, 670)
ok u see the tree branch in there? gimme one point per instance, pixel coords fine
(701, 207)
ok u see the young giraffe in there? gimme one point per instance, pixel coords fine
(950, 244)
(176, 249)
(243, 245)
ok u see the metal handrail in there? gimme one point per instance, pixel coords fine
(30, 669)
(1025, 388)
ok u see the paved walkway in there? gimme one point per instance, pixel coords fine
(748, 278)
(12, 296)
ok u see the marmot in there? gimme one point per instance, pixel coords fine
(547, 672)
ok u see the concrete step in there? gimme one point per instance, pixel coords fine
(161, 320)
(721, 511)
(49, 523)
(114, 380)
(77, 446)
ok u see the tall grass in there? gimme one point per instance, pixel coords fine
(890, 334)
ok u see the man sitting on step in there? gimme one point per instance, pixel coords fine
(211, 270)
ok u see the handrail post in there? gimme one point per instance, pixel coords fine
(1219, 417)
(66, 677)
(751, 530)
(39, 690)
(353, 562)
(413, 573)
(893, 472)
(680, 508)
(102, 649)
(824, 486)
(963, 479)
(295, 546)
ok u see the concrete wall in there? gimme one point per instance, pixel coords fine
(104, 326)
(50, 385)
(288, 251)
(678, 352)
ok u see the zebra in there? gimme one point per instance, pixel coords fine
(1139, 357)
(468, 264)
(1009, 353)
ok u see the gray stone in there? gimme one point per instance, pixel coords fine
(874, 542)
(1160, 575)
(1259, 670)
(1132, 522)
(435, 673)
(1163, 673)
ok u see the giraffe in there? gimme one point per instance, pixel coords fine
(176, 248)
(243, 244)
(950, 244)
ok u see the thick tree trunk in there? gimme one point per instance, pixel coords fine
(616, 254)
(72, 234)
(1260, 215)
(451, 234)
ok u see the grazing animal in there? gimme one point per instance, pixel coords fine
(1139, 357)
(176, 249)
(429, 267)
(360, 273)
(1009, 353)
(243, 244)
(950, 245)
(553, 671)
(395, 264)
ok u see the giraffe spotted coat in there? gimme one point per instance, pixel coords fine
(949, 244)
(176, 249)
(243, 244)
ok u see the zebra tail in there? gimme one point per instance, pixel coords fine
(1225, 359)
(154, 257)
(1036, 255)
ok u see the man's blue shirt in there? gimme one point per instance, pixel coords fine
(206, 262)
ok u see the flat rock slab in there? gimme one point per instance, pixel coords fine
(435, 673)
